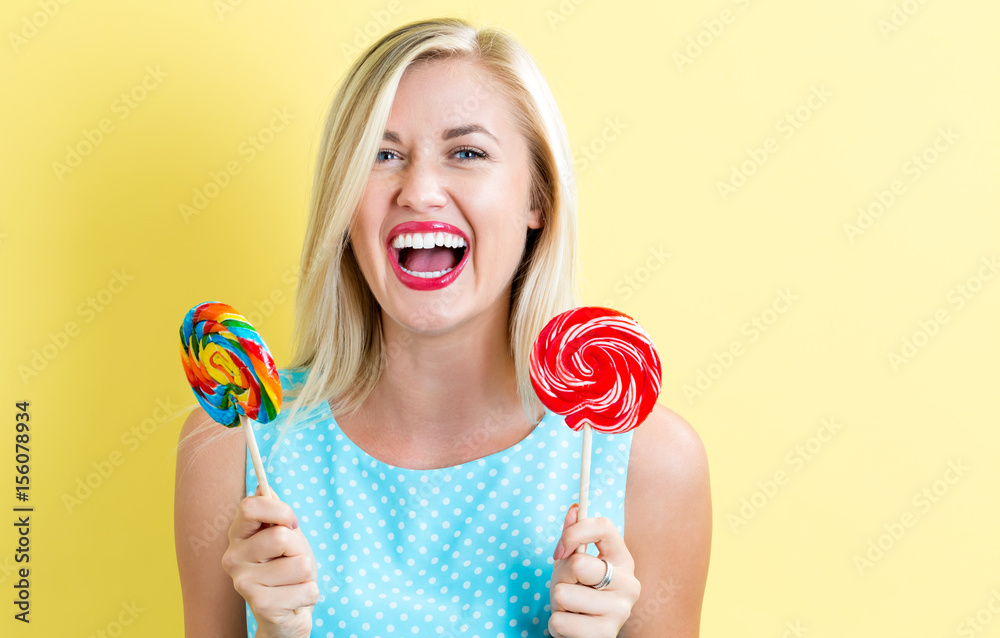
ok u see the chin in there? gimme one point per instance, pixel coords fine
(425, 323)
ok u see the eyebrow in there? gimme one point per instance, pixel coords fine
(458, 131)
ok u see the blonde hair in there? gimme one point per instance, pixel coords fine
(338, 330)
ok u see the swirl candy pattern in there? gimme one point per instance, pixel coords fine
(598, 366)
(228, 365)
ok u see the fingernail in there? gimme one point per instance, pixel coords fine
(560, 548)
(295, 522)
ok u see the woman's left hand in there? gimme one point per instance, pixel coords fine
(579, 610)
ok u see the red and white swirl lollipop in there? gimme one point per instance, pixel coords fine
(599, 369)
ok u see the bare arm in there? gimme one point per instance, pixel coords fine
(668, 526)
(209, 485)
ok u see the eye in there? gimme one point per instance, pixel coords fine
(470, 153)
(385, 155)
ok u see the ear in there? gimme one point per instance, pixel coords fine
(535, 218)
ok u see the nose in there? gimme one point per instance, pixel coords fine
(421, 188)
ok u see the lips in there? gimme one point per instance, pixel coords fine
(427, 255)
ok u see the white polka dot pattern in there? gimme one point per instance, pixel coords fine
(460, 551)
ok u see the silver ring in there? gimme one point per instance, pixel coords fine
(609, 572)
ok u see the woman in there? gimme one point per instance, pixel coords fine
(426, 486)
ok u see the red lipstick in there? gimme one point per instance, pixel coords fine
(415, 233)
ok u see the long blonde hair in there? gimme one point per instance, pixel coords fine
(338, 329)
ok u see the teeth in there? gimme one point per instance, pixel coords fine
(427, 275)
(428, 240)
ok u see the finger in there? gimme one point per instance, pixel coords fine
(285, 570)
(273, 542)
(274, 604)
(280, 572)
(580, 568)
(602, 532)
(566, 624)
(296, 598)
(581, 599)
(571, 517)
(256, 511)
(269, 494)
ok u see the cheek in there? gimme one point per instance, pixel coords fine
(502, 225)
(363, 235)
(369, 215)
(502, 251)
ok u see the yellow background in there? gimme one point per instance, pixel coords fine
(664, 120)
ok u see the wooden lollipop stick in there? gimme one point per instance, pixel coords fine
(584, 478)
(258, 466)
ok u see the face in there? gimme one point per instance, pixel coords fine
(442, 223)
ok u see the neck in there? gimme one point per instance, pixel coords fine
(442, 399)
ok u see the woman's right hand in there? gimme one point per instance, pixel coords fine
(272, 567)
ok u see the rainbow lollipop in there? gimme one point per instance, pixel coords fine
(599, 369)
(231, 372)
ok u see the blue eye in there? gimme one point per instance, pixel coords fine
(469, 153)
(384, 155)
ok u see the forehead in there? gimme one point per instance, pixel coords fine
(449, 92)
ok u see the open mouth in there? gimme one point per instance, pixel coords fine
(427, 255)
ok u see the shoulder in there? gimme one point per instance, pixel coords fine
(667, 458)
(206, 446)
(209, 484)
(668, 525)
(210, 478)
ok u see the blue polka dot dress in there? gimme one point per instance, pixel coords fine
(458, 551)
